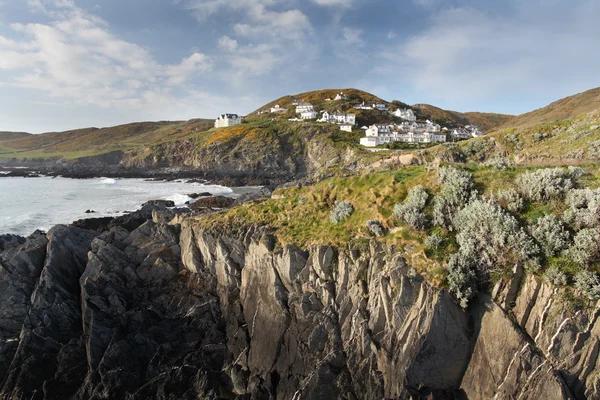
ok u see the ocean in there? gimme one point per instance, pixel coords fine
(27, 204)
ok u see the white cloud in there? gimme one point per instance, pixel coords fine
(335, 3)
(479, 55)
(228, 43)
(76, 57)
(353, 37)
(391, 35)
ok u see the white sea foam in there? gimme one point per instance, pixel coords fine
(27, 204)
(179, 199)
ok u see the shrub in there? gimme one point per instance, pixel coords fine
(589, 285)
(462, 280)
(491, 236)
(501, 164)
(434, 241)
(583, 208)
(546, 184)
(458, 190)
(510, 200)
(375, 227)
(594, 149)
(555, 276)
(411, 211)
(341, 211)
(550, 233)
(585, 246)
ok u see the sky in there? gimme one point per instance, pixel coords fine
(67, 64)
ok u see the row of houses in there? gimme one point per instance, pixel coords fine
(406, 132)
(413, 132)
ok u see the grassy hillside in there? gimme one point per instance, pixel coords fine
(12, 135)
(485, 121)
(301, 216)
(570, 141)
(566, 108)
(95, 141)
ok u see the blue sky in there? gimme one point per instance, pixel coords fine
(68, 64)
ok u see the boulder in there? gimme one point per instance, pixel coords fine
(212, 202)
(159, 203)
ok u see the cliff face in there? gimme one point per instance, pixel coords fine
(176, 311)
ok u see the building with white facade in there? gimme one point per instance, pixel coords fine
(278, 108)
(341, 96)
(308, 115)
(363, 106)
(407, 115)
(346, 127)
(467, 132)
(304, 107)
(338, 118)
(380, 107)
(225, 120)
(378, 135)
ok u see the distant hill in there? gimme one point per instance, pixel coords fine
(94, 141)
(12, 135)
(484, 121)
(318, 98)
(568, 107)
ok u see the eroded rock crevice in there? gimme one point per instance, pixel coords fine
(176, 311)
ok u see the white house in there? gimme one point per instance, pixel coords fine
(308, 115)
(278, 108)
(363, 106)
(340, 96)
(225, 120)
(338, 118)
(377, 135)
(304, 107)
(407, 115)
(346, 127)
(467, 132)
(379, 107)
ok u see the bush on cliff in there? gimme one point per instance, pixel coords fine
(548, 183)
(411, 211)
(341, 211)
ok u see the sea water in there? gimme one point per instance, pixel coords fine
(27, 204)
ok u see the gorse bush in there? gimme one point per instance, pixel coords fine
(461, 279)
(555, 276)
(375, 227)
(588, 283)
(488, 234)
(510, 200)
(547, 184)
(585, 248)
(341, 211)
(550, 233)
(584, 208)
(458, 190)
(411, 211)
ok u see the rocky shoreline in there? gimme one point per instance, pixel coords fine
(153, 305)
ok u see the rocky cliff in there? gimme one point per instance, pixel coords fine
(175, 311)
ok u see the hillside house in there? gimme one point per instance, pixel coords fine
(308, 115)
(363, 106)
(338, 118)
(225, 120)
(340, 96)
(278, 109)
(304, 107)
(346, 127)
(380, 107)
(406, 114)
(466, 132)
(378, 135)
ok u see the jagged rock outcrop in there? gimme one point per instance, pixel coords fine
(170, 310)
